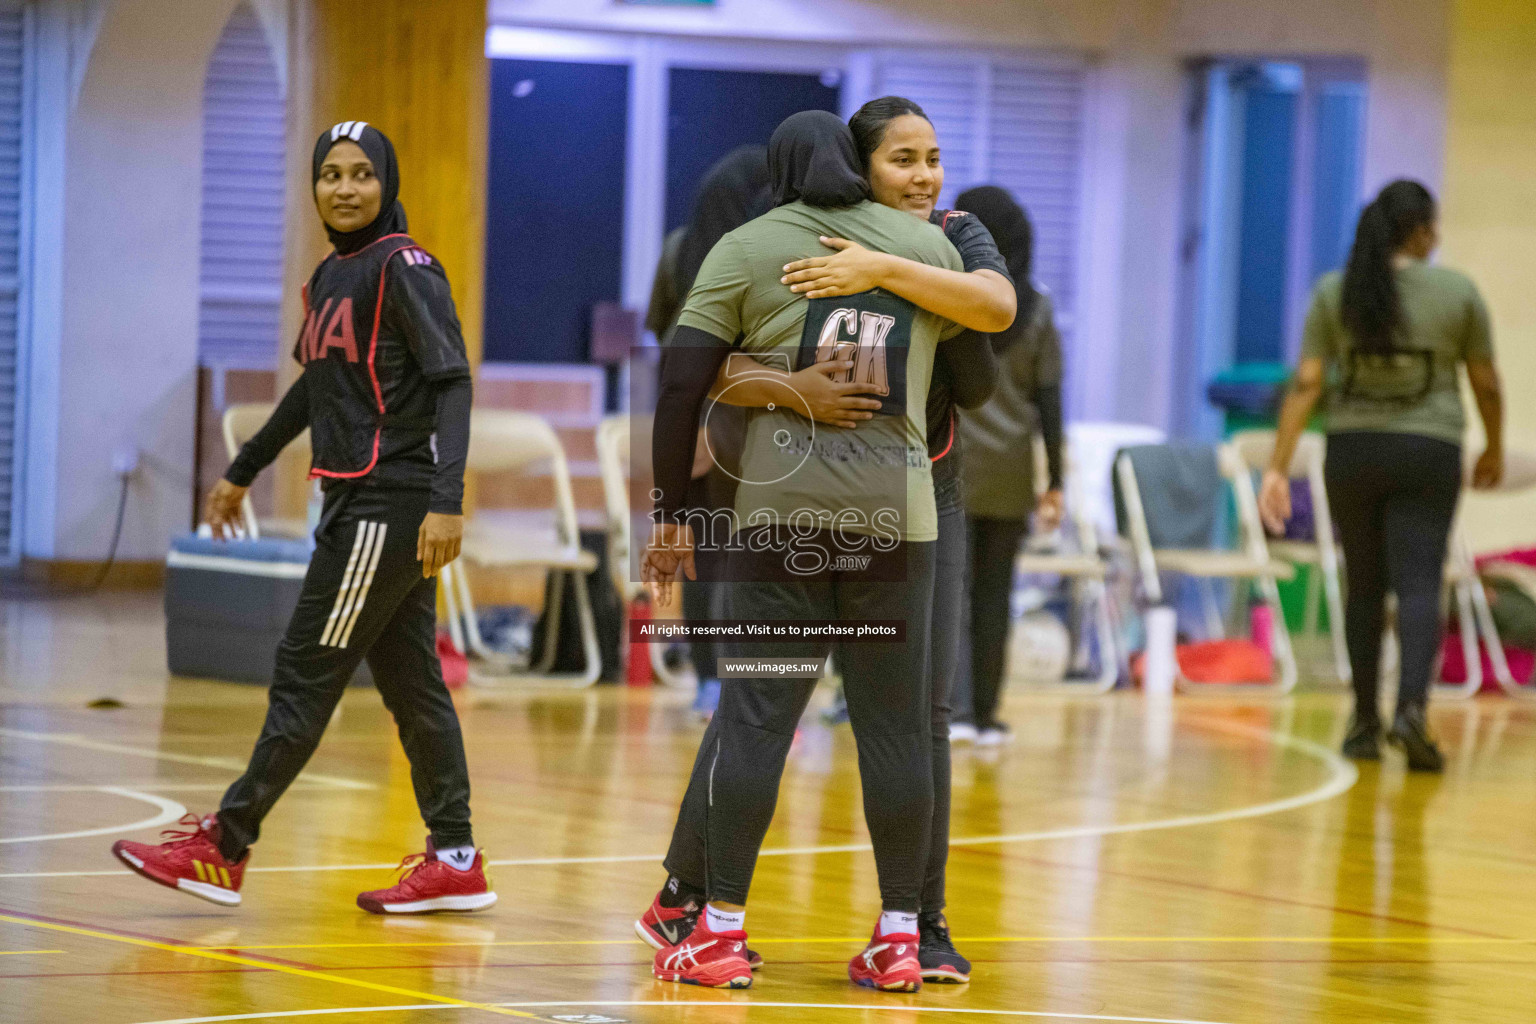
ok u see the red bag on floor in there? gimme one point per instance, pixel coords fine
(455, 664)
(1218, 661)
(1454, 669)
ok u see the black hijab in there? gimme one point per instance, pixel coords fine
(733, 192)
(812, 158)
(1001, 214)
(376, 145)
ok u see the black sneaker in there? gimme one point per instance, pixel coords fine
(936, 954)
(1363, 741)
(1410, 732)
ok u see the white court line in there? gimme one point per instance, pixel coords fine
(233, 764)
(1341, 776)
(170, 811)
(743, 1003)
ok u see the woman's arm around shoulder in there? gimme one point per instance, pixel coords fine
(982, 301)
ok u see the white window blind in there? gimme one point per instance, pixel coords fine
(1011, 123)
(242, 239)
(12, 58)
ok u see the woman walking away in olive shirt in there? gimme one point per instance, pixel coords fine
(1385, 339)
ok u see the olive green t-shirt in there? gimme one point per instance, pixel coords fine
(875, 479)
(1416, 390)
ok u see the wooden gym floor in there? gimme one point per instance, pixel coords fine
(1215, 863)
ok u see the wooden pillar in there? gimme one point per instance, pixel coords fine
(418, 72)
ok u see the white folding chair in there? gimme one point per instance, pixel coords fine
(501, 441)
(1092, 447)
(1084, 565)
(1250, 561)
(613, 441)
(1474, 615)
(1322, 553)
(240, 424)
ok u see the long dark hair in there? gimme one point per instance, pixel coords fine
(1371, 309)
(871, 121)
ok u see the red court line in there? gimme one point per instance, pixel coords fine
(150, 937)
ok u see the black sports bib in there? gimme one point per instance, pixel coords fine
(874, 328)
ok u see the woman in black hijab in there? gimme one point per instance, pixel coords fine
(899, 151)
(871, 490)
(999, 469)
(385, 393)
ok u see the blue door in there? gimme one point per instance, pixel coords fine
(554, 233)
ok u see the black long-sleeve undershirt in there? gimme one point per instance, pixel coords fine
(454, 398)
(1048, 402)
(287, 422)
(973, 368)
(689, 364)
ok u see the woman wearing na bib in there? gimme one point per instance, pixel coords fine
(385, 392)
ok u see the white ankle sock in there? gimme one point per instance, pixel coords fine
(460, 858)
(724, 920)
(898, 922)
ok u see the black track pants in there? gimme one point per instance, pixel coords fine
(994, 544)
(1393, 497)
(944, 660)
(364, 596)
(704, 598)
(735, 783)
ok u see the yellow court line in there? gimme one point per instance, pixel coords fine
(265, 966)
(1258, 939)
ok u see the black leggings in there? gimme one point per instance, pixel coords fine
(1393, 497)
(363, 597)
(944, 659)
(994, 544)
(704, 597)
(735, 782)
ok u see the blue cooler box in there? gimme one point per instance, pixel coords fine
(227, 604)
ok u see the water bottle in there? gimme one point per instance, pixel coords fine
(1261, 627)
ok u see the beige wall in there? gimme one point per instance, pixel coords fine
(115, 300)
(1489, 218)
(1135, 147)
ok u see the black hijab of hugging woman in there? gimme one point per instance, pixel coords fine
(812, 159)
(1002, 215)
(376, 145)
(734, 191)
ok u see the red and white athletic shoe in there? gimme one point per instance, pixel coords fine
(660, 927)
(711, 959)
(889, 963)
(189, 861)
(428, 885)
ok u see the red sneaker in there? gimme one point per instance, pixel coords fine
(711, 959)
(189, 861)
(889, 963)
(660, 927)
(428, 885)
